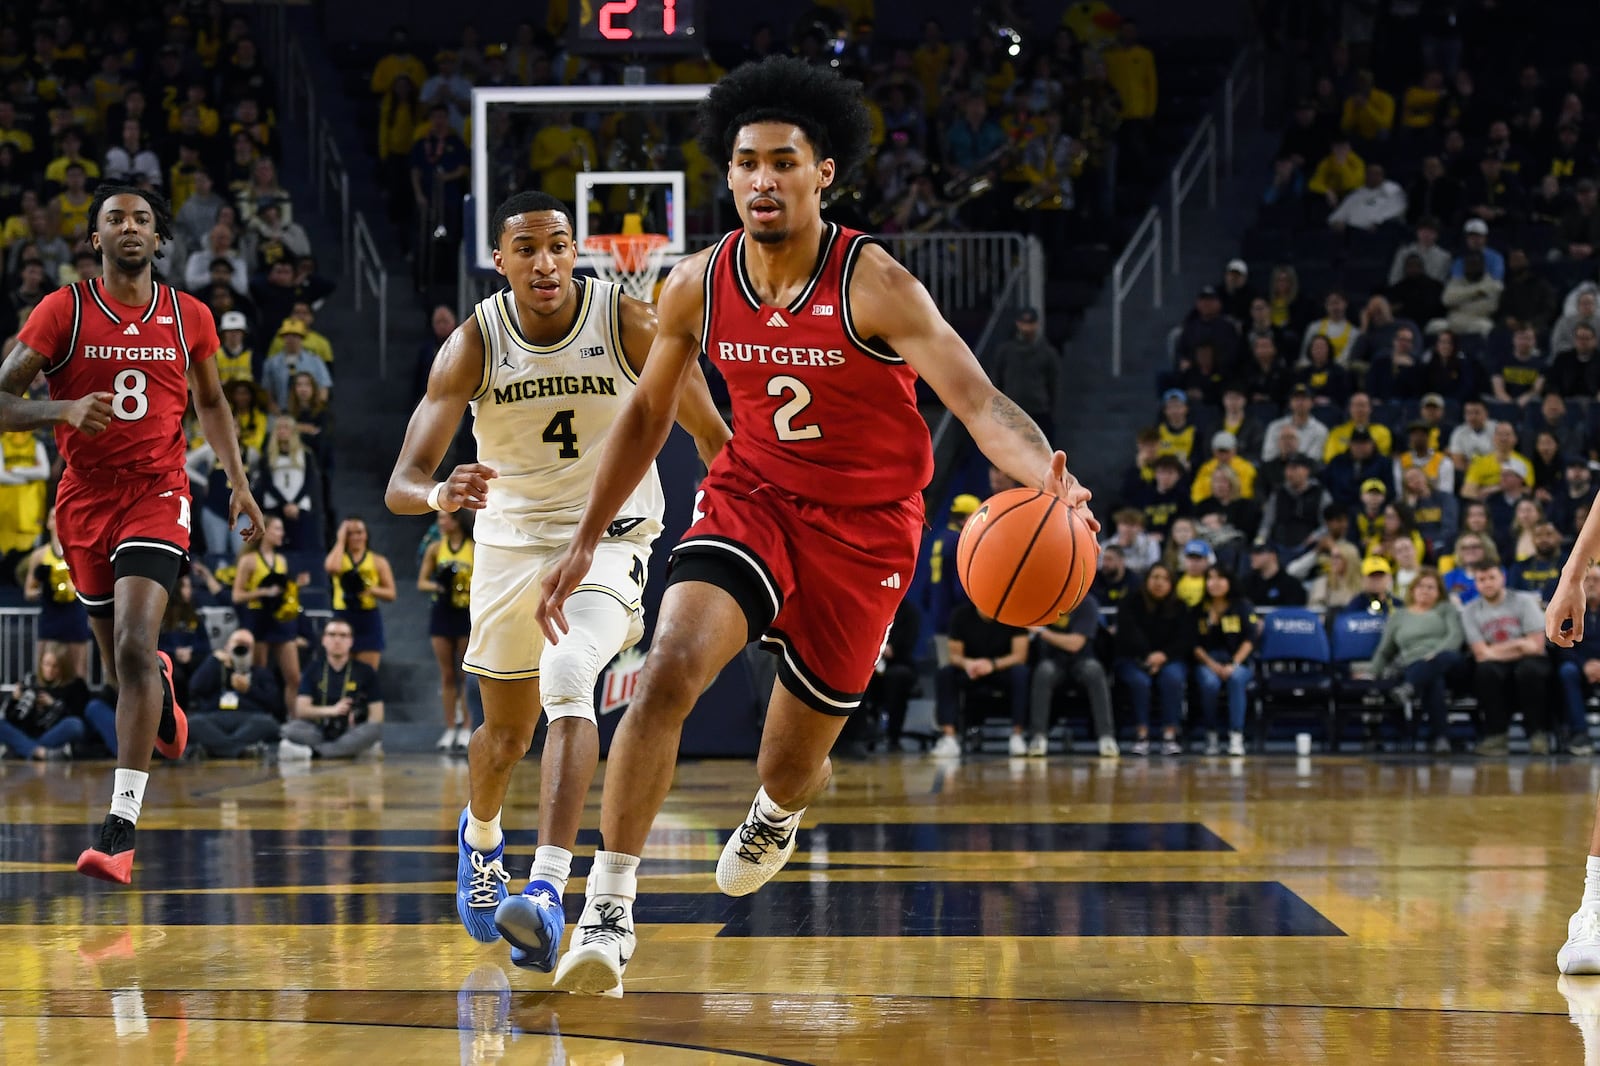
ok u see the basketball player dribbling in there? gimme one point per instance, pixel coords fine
(122, 353)
(545, 366)
(806, 529)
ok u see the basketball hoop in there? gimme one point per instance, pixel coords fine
(632, 260)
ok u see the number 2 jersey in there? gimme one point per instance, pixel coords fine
(540, 415)
(141, 355)
(820, 411)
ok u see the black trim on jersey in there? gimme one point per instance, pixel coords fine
(803, 682)
(745, 560)
(149, 312)
(72, 340)
(871, 346)
(830, 234)
(621, 354)
(508, 311)
(177, 320)
(155, 560)
(709, 286)
(486, 375)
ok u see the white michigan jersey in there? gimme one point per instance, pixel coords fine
(541, 414)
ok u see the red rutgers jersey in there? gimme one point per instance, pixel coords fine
(819, 411)
(141, 355)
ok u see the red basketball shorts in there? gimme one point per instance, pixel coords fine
(824, 580)
(99, 515)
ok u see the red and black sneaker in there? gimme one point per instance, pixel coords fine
(111, 859)
(172, 735)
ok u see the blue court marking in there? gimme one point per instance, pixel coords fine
(781, 909)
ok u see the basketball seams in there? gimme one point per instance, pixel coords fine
(1026, 551)
(972, 553)
(1072, 569)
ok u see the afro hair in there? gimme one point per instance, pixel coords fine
(828, 108)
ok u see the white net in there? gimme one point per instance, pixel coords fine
(632, 260)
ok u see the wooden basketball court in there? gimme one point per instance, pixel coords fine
(1371, 910)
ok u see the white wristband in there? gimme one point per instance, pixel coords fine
(433, 496)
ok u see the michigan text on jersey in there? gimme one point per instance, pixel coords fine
(567, 385)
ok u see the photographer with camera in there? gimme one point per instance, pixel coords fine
(235, 702)
(44, 717)
(339, 713)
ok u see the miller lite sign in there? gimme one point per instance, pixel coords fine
(620, 681)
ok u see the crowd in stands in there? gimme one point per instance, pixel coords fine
(174, 98)
(1388, 407)
(1006, 127)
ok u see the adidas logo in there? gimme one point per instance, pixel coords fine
(132, 330)
(776, 320)
(128, 795)
(892, 581)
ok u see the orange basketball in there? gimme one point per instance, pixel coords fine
(1026, 558)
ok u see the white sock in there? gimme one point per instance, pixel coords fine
(483, 836)
(1591, 881)
(771, 813)
(552, 864)
(127, 793)
(614, 874)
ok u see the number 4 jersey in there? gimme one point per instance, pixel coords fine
(540, 415)
(820, 411)
(141, 355)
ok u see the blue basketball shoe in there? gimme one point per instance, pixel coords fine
(480, 885)
(532, 923)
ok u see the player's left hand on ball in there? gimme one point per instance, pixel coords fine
(467, 486)
(243, 503)
(1060, 482)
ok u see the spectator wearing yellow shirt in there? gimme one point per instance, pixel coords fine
(235, 361)
(1338, 174)
(1360, 411)
(1335, 325)
(561, 149)
(400, 62)
(16, 227)
(24, 473)
(71, 153)
(249, 413)
(76, 109)
(181, 179)
(10, 131)
(1131, 69)
(929, 61)
(1483, 473)
(1224, 454)
(1420, 104)
(71, 204)
(1368, 110)
(208, 121)
(311, 341)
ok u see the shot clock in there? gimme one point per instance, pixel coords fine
(624, 27)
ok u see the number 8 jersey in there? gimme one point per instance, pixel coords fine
(819, 411)
(540, 415)
(141, 355)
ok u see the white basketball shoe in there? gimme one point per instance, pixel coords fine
(756, 850)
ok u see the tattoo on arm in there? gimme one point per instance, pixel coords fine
(1014, 418)
(19, 370)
